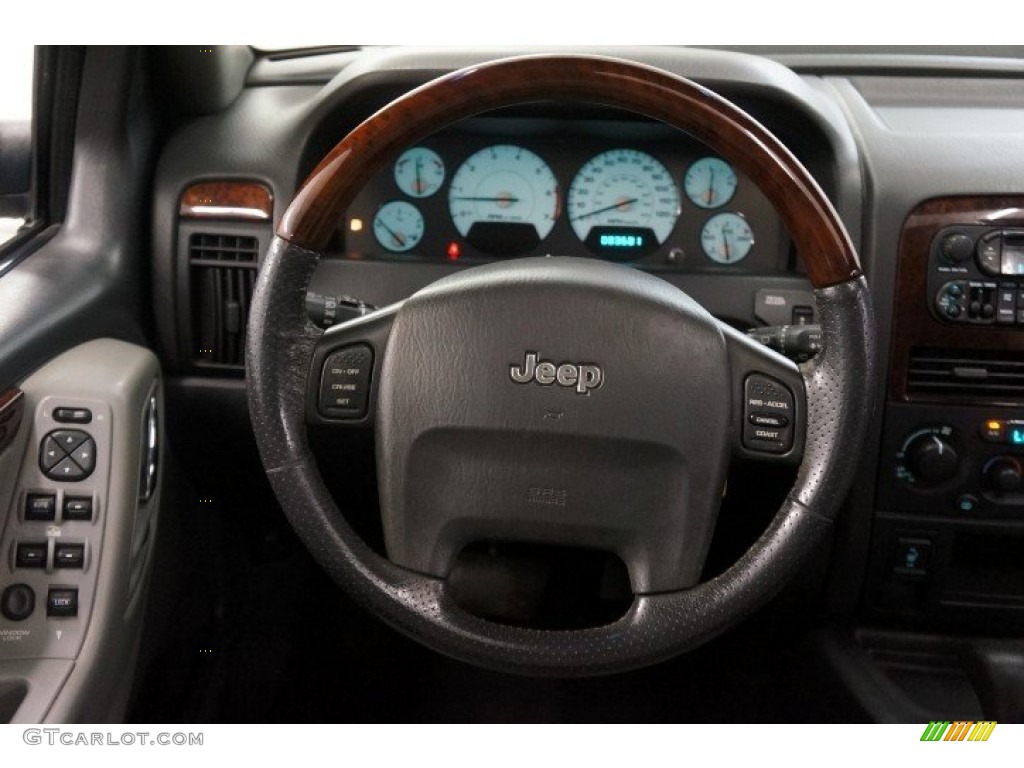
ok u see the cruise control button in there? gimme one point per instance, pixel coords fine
(345, 382)
(768, 412)
(768, 420)
(67, 470)
(85, 456)
(69, 556)
(62, 603)
(30, 556)
(41, 506)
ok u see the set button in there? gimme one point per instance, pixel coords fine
(67, 455)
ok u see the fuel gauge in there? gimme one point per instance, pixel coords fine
(398, 226)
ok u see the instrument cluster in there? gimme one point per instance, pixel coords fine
(493, 188)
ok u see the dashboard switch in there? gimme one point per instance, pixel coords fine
(912, 556)
(41, 506)
(1006, 307)
(17, 602)
(62, 602)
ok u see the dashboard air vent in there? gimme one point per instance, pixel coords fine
(223, 274)
(967, 372)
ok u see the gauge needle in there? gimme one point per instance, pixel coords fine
(725, 242)
(419, 179)
(711, 186)
(397, 237)
(498, 199)
(620, 204)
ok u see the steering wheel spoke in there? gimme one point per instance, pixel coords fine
(769, 403)
(344, 375)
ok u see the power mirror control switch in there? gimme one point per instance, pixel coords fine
(345, 382)
(67, 455)
(767, 415)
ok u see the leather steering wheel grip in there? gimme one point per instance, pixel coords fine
(839, 382)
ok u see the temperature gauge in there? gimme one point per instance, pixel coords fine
(727, 238)
(398, 226)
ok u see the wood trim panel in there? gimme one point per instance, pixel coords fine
(806, 211)
(913, 323)
(12, 405)
(245, 200)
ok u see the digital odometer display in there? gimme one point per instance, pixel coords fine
(623, 204)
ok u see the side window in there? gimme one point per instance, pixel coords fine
(16, 73)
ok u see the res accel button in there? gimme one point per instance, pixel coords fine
(345, 382)
(768, 415)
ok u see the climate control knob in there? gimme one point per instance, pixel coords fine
(932, 459)
(1003, 474)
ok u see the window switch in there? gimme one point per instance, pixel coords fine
(69, 556)
(41, 506)
(77, 508)
(30, 555)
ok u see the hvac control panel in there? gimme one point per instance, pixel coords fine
(976, 275)
(964, 462)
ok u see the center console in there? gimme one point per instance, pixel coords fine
(948, 532)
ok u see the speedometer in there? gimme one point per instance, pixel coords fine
(623, 203)
(504, 200)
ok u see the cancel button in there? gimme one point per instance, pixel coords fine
(767, 415)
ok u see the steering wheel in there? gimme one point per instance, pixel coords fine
(653, 395)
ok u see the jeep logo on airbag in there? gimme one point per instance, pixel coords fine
(582, 378)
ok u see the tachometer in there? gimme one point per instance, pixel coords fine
(710, 182)
(623, 203)
(504, 200)
(419, 172)
(727, 238)
(398, 226)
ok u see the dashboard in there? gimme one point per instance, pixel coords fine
(617, 189)
(910, 150)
